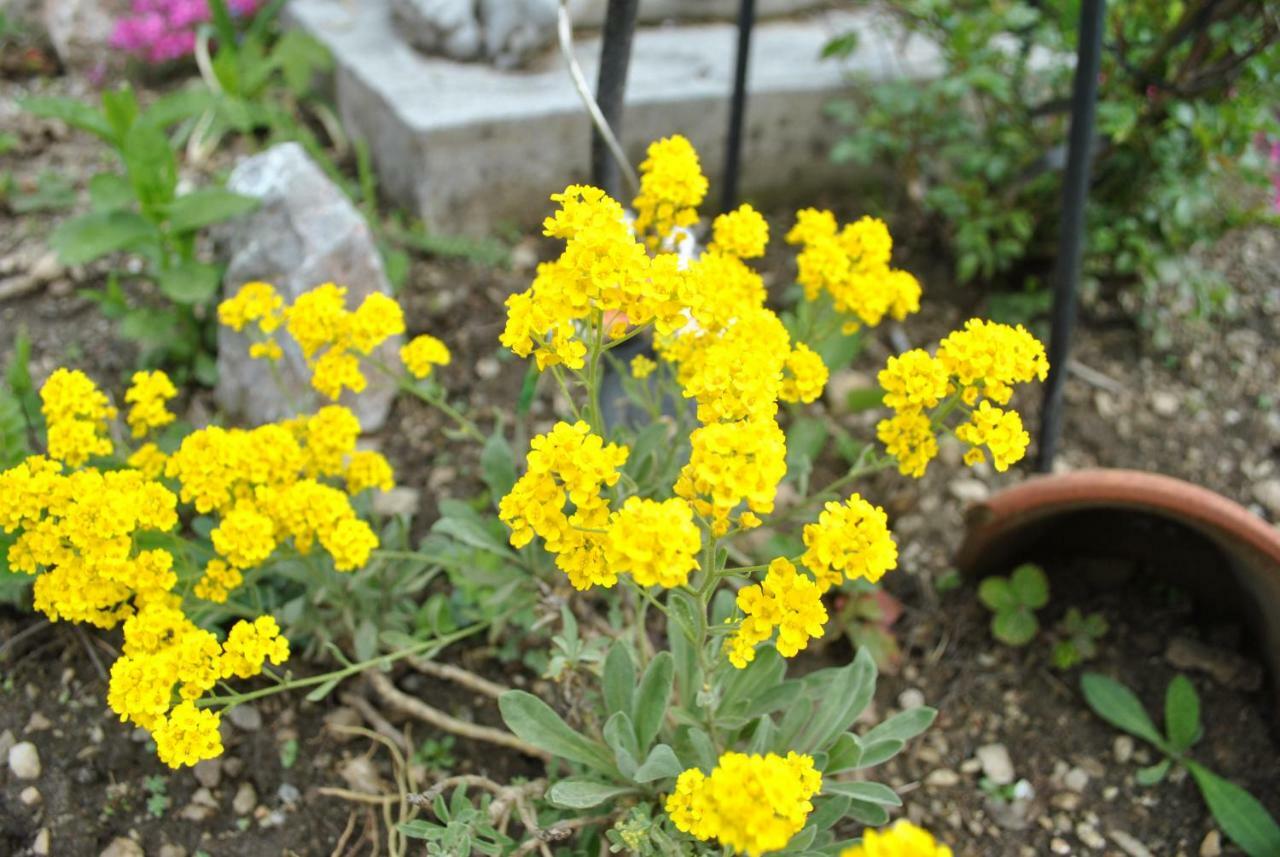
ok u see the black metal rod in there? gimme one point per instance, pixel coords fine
(737, 107)
(1075, 195)
(615, 58)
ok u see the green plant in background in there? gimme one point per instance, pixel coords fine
(1014, 600)
(140, 211)
(1079, 638)
(1186, 88)
(1242, 818)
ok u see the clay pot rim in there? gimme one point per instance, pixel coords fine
(1054, 494)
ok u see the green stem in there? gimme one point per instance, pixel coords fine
(468, 427)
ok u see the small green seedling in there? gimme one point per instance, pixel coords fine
(1014, 600)
(157, 788)
(1079, 638)
(1242, 818)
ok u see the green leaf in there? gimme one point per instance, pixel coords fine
(620, 735)
(576, 793)
(1182, 714)
(201, 208)
(903, 726)
(866, 399)
(110, 192)
(870, 814)
(996, 594)
(653, 697)
(151, 165)
(323, 690)
(619, 678)
(840, 699)
(870, 792)
(461, 522)
(1242, 818)
(1118, 705)
(91, 236)
(534, 721)
(1153, 774)
(695, 748)
(661, 763)
(827, 811)
(498, 464)
(189, 283)
(1014, 627)
(1030, 586)
(75, 113)
(120, 107)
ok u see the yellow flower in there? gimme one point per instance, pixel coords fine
(254, 302)
(743, 233)
(424, 353)
(805, 377)
(250, 644)
(850, 540)
(732, 464)
(147, 395)
(752, 804)
(657, 542)
(672, 187)
(642, 367)
(319, 318)
(903, 839)
(187, 735)
(377, 319)
(908, 436)
(268, 350)
(245, 537)
(914, 381)
(999, 430)
(148, 460)
(786, 600)
(217, 581)
(76, 414)
(991, 357)
(336, 370)
(349, 542)
(368, 469)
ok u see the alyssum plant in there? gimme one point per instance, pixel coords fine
(688, 736)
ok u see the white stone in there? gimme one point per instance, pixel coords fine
(30, 796)
(1267, 492)
(122, 847)
(1211, 846)
(968, 490)
(515, 31)
(465, 145)
(24, 761)
(942, 778)
(40, 845)
(1129, 844)
(1165, 404)
(245, 800)
(305, 233)
(911, 698)
(996, 764)
(80, 32)
(1076, 779)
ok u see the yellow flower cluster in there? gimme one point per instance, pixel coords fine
(732, 464)
(656, 542)
(568, 465)
(981, 362)
(743, 233)
(786, 600)
(331, 337)
(748, 803)
(903, 839)
(146, 397)
(850, 540)
(642, 367)
(851, 264)
(672, 187)
(76, 413)
(603, 270)
(423, 353)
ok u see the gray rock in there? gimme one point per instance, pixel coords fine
(1165, 403)
(306, 233)
(996, 764)
(911, 698)
(1225, 667)
(1267, 492)
(245, 800)
(517, 30)
(24, 761)
(968, 490)
(80, 32)
(1076, 779)
(398, 501)
(1129, 844)
(122, 847)
(245, 717)
(448, 28)
(209, 772)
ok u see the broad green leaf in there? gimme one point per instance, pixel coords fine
(827, 810)
(695, 749)
(110, 192)
(1014, 627)
(460, 521)
(75, 113)
(201, 208)
(1030, 586)
(653, 697)
(661, 763)
(177, 106)
(1182, 714)
(996, 594)
(120, 107)
(840, 699)
(878, 752)
(576, 793)
(870, 814)
(498, 464)
(91, 236)
(151, 165)
(534, 721)
(420, 829)
(619, 678)
(620, 735)
(903, 726)
(870, 792)
(1118, 705)
(190, 283)
(1242, 818)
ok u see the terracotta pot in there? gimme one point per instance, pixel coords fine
(1224, 556)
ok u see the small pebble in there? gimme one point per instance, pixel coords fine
(288, 794)
(37, 723)
(1076, 779)
(1090, 837)
(30, 796)
(911, 698)
(1059, 846)
(996, 764)
(1129, 845)
(171, 850)
(942, 778)
(24, 761)
(122, 847)
(245, 799)
(40, 845)
(1211, 846)
(1122, 748)
(245, 718)
(208, 773)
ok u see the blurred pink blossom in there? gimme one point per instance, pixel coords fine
(163, 30)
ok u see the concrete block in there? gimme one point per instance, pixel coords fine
(468, 147)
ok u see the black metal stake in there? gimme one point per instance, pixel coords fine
(737, 107)
(615, 58)
(1075, 193)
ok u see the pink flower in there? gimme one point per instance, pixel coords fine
(164, 30)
